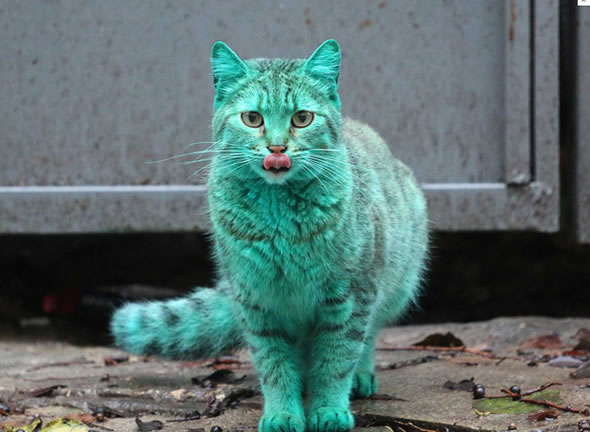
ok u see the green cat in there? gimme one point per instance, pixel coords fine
(320, 237)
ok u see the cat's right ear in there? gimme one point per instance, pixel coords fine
(227, 67)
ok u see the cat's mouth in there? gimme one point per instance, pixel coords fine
(276, 170)
(276, 163)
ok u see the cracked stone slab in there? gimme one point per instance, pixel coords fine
(155, 389)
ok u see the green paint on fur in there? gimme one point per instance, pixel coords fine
(320, 237)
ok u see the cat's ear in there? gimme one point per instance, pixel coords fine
(324, 63)
(227, 67)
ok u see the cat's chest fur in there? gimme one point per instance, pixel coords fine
(279, 244)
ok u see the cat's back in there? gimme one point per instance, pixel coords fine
(388, 199)
(375, 167)
(390, 211)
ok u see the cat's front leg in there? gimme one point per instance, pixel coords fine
(335, 351)
(277, 360)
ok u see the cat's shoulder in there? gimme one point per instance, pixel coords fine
(362, 139)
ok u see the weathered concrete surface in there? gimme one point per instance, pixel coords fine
(163, 390)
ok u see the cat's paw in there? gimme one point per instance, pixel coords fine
(364, 384)
(281, 421)
(330, 419)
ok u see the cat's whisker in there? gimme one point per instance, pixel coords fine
(202, 142)
(308, 169)
(232, 160)
(211, 158)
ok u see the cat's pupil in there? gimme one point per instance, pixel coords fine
(252, 117)
(302, 117)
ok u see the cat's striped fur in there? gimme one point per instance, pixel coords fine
(312, 262)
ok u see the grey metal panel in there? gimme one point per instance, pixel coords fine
(430, 77)
(545, 106)
(491, 206)
(96, 209)
(583, 122)
(102, 209)
(91, 90)
(518, 92)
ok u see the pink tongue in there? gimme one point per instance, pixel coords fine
(277, 160)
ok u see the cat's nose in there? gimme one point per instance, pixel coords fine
(277, 149)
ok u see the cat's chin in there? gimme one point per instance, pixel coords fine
(276, 176)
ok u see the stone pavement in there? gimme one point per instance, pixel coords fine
(104, 387)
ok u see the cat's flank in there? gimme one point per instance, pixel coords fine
(320, 239)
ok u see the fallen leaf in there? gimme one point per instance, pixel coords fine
(150, 426)
(112, 361)
(226, 363)
(509, 406)
(43, 391)
(440, 340)
(195, 415)
(411, 362)
(575, 353)
(583, 337)
(543, 415)
(83, 417)
(543, 342)
(221, 376)
(34, 426)
(468, 360)
(57, 425)
(463, 385)
(385, 397)
(180, 394)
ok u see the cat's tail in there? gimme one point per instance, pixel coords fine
(200, 325)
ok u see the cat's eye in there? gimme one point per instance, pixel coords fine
(252, 119)
(302, 119)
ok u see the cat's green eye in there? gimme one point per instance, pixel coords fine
(252, 119)
(302, 119)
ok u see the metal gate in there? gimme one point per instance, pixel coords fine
(465, 92)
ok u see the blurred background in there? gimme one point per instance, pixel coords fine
(487, 100)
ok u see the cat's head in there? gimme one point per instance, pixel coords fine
(278, 119)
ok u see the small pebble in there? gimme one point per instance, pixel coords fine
(216, 429)
(512, 426)
(583, 425)
(479, 391)
(515, 389)
(565, 362)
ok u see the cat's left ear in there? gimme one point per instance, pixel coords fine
(227, 67)
(324, 63)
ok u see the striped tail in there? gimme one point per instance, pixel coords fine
(198, 326)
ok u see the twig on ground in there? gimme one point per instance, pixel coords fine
(94, 425)
(58, 364)
(521, 398)
(500, 361)
(415, 427)
(461, 348)
(51, 378)
(509, 394)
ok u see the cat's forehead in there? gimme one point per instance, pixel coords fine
(277, 66)
(276, 84)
